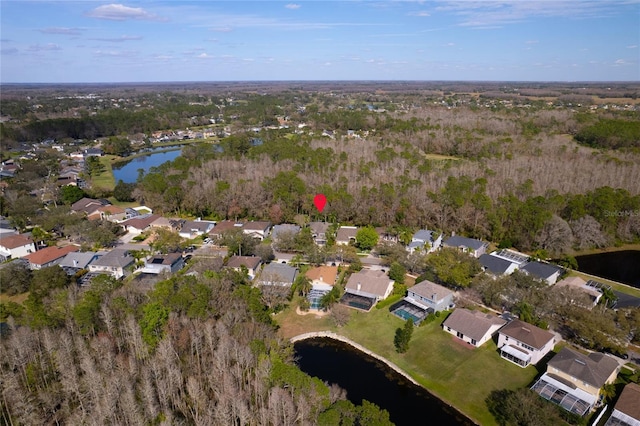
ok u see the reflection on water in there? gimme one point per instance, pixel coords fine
(621, 266)
(364, 377)
(128, 172)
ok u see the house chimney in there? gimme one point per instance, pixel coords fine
(433, 296)
(321, 278)
(75, 263)
(359, 286)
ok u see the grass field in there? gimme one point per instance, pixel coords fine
(453, 371)
(105, 179)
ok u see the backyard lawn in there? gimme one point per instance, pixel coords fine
(455, 372)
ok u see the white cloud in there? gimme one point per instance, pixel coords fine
(119, 39)
(633, 46)
(120, 12)
(43, 47)
(293, 6)
(420, 13)
(204, 56)
(115, 53)
(62, 30)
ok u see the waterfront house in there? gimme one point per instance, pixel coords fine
(574, 380)
(626, 412)
(366, 287)
(473, 327)
(542, 271)
(523, 343)
(474, 247)
(497, 266)
(594, 293)
(429, 295)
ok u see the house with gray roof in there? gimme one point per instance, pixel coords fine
(277, 274)
(319, 232)
(285, 228)
(429, 295)
(473, 327)
(193, 228)
(76, 261)
(117, 263)
(369, 283)
(523, 343)
(346, 235)
(496, 266)
(574, 380)
(474, 247)
(425, 240)
(542, 271)
(168, 263)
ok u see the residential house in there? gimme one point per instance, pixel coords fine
(574, 380)
(594, 293)
(109, 213)
(496, 265)
(251, 263)
(284, 229)
(14, 246)
(88, 205)
(76, 261)
(93, 152)
(473, 327)
(277, 274)
(322, 279)
(523, 343)
(428, 295)
(425, 240)
(169, 263)
(386, 234)
(139, 224)
(542, 271)
(374, 285)
(319, 232)
(474, 247)
(520, 259)
(223, 227)
(626, 412)
(258, 230)
(346, 235)
(193, 228)
(116, 263)
(48, 256)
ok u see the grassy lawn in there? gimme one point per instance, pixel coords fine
(632, 291)
(105, 179)
(453, 371)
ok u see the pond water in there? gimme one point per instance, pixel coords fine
(364, 377)
(128, 172)
(621, 266)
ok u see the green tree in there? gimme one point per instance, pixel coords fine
(69, 194)
(124, 191)
(403, 336)
(397, 272)
(154, 318)
(15, 278)
(366, 238)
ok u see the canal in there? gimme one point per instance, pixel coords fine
(364, 377)
(621, 266)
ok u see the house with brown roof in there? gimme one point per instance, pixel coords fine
(48, 256)
(110, 213)
(251, 263)
(523, 343)
(627, 410)
(137, 225)
(574, 380)
(473, 327)
(14, 246)
(88, 205)
(594, 294)
(223, 227)
(322, 279)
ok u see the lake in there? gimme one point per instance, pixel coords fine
(128, 172)
(622, 266)
(364, 377)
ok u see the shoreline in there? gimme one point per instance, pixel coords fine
(394, 367)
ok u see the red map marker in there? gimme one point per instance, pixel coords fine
(320, 201)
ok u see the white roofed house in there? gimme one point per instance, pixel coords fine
(258, 230)
(473, 327)
(523, 343)
(425, 240)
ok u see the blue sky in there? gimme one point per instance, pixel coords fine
(96, 41)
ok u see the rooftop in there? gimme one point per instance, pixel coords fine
(474, 324)
(15, 241)
(459, 241)
(527, 333)
(493, 264)
(593, 369)
(369, 281)
(428, 289)
(49, 254)
(251, 262)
